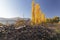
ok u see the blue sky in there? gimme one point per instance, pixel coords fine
(16, 8)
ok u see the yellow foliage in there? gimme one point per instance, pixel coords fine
(37, 15)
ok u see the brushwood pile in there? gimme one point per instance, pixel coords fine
(28, 33)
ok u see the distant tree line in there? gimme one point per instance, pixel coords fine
(53, 20)
(26, 22)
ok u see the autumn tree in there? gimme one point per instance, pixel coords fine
(56, 19)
